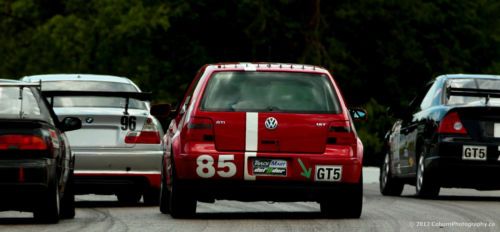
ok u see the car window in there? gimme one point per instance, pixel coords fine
(270, 91)
(106, 102)
(472, 83)
(12, 106)
(433, 96)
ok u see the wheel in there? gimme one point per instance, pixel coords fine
(164, 197)
(182, 205)
(345, 205)
(425, 186)
(49, 209)
(389, 186)
(151, 196)
(131, 197)
(68, 200)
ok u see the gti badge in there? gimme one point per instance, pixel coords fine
(89, 120)
(271, 123)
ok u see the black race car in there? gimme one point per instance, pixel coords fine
(448, 137)
(36, 164)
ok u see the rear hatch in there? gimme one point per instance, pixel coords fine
(103, 127)
(294, 133)
(270, 111)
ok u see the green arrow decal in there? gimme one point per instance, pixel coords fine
(305, 172)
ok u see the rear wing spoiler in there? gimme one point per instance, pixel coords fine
(469, 92)
(141, 96)
(20, 85)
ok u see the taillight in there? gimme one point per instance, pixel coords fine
(451, 124)
(200, 129)
(22, 142)
(340, 132)
(148, 135)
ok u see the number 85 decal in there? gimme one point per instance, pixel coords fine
(206, 169)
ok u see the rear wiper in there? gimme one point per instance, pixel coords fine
(272, 108)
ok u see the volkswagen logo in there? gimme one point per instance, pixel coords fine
(271, 123)
(89, 120)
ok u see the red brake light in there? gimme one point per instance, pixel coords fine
(148, 135)
(22, 142)
(340, 132)
(200, 129)
(451, 124)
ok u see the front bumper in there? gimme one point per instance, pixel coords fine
(109, 171)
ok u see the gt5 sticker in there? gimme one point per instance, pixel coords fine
(205, 166)
(328, 173)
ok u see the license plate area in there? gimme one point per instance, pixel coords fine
(474, 153)
(328, 173)
(269, 167)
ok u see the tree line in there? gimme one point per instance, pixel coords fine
(381, 51)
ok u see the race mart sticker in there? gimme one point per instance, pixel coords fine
(270, 167)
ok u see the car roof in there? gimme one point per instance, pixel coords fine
(467, 76)
(265, 66)
(77, 77)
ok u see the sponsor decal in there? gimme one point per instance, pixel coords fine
(306, 172)
(271, 167)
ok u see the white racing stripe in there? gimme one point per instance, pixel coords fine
(251, 138)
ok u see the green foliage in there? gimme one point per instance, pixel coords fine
(374, 130)
(381, 51)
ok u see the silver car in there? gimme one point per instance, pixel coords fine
(119, 148)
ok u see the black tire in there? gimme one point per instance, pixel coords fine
(425, 186)
(151, 196)
(389, 186)
(348, 204)
(68, 200)
(132, 197)
(164, 197)
(182, 204)
(48, 211)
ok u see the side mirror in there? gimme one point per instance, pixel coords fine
(358, 114)
(70, 123)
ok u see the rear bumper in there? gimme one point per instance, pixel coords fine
(22, 181)
(298, 166)
(451, 170)
(284, 191)
(108, 171)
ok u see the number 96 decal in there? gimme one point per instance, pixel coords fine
(206, 167)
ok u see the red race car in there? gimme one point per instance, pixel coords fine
(263, 132)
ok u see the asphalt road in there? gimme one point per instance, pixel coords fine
(454, 210)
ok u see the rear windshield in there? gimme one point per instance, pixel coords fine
(12, 106)
(472, 83)
(105, 102)
(270, 91)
